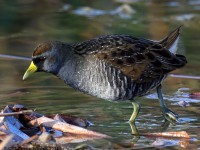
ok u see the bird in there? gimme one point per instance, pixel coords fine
(113, 67)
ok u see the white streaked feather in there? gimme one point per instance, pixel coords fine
(174, 47)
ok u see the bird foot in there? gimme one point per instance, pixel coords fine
(170, 115)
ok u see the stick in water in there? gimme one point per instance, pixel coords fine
(16, 113)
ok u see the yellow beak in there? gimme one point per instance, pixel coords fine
(31, 69)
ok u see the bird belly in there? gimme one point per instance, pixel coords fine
(102, 86)
(98, 79)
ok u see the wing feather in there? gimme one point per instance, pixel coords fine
(140, 59)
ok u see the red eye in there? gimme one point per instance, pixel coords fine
(42, 59)
(38, 60)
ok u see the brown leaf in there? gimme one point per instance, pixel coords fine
(194, 95)
(71, 120)
(74, 138)
(178, 134)
(46, 137)
(183, 143)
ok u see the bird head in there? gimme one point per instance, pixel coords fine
(47, 57)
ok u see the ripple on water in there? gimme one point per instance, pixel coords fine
(187, 120)
(89, 12)
(173, 4)
(185, 17)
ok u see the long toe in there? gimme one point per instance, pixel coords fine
(170, 115)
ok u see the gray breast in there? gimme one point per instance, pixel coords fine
(99, 79)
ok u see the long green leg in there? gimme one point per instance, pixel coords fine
(136, 109)
(167, 113)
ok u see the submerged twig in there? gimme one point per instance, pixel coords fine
(16, 113)
(65, 127)
(178, 134)
(32, 138)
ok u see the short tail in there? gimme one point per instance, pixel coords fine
(171, 41)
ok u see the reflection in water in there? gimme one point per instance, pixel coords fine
(24, 24)
(160, 140)
(134, 131)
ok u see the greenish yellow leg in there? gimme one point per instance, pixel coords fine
(134, 130)
(136, 109)
(167, 113)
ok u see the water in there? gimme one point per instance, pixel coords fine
(24, 24)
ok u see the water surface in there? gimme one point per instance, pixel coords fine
(24, 24)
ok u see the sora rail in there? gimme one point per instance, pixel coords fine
(112, 67)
